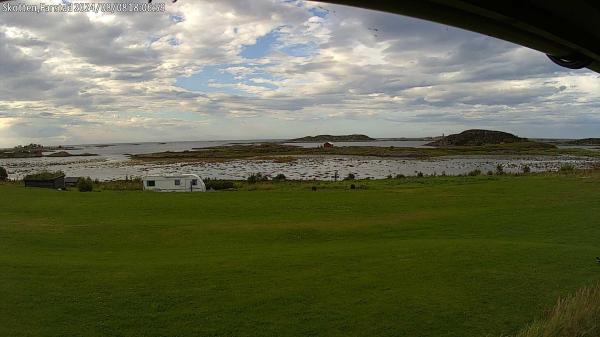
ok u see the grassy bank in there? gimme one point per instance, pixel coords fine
(444, 256)
(577, 315)
(272, 150)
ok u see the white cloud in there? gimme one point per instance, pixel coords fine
(88, 77)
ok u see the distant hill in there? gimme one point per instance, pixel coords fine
(477, 138)
(330, 138)
(585, 141)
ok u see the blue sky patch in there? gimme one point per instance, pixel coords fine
(319, 11)
(300, 50)
(216, 79)
(181, 115)
(174, 41)
(208, 80)
(177, 18)
(263, 46)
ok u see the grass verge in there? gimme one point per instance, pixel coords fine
(577, 315)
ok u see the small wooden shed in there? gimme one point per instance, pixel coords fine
(45, 181)
(71, 181)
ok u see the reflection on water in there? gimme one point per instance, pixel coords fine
(112, 163)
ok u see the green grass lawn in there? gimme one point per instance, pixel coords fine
(445, 256)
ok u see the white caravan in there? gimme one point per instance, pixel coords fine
(178, 183)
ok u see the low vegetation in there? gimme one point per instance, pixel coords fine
(271, 151)
(218, 184)
(279, 177)
(85, 184)
(434, 256)
(499, 169)
(128, 184)
(566, 168)
(474, 173)
(3, 174)
(577, 315)
(257, 177)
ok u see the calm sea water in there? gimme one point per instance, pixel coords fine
(112, 163)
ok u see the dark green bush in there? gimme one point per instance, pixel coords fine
(400, 176)
(499, 169)
(474, 173)
(420, 174)
(256, 177)
(216, 184)
(129, 184)
(85, 184)
(279, 177)
(526, 169)
(490, 173)
(350, 176)
(3, 174)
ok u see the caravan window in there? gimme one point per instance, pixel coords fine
(177, 182)
(150, 183)
(194, 182)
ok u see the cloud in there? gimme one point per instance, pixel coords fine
(233, 69)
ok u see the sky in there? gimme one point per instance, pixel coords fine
(273, 69)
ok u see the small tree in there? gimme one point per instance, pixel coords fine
(85, 184)
(3, 174)
(499, 169)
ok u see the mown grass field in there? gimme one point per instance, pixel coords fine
(445, 256)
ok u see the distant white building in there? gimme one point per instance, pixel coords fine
(176, 183)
